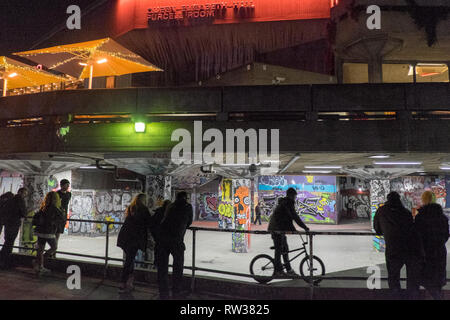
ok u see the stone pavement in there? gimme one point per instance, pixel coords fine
(22, 283)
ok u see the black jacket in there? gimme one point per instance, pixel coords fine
(395, 223)
(433, 230)
(65, 199)
(177, 218)
(14, 210)
(133, 233)
(47, 221)
(283, 216)
(157, 218)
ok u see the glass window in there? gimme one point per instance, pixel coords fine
(398, 73)
(432, 72)
(356, 73)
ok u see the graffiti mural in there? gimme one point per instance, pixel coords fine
(411, 189)
(98, 205)
(379, 189)
(155, 186)
(208, 204)
(242, 203)
(354, 198)
(226, 212)
(316, 196)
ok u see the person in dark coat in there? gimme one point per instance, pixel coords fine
(258, 213)
(395, 223)
(177, 218)
(47, 220)
(4, 198)
(65, 196)
(433, 229)
(282, 220)
(157, 218)
(133, 237)
(15, 211)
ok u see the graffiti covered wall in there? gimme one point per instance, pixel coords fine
(316, 196)
(411, 189)
(379, 189)
(103, 205)
(354, 198)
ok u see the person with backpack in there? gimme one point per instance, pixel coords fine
(46, 221)
(15, 210)
(282, 220)
(133, 237)
(4, 198)
(157, 217)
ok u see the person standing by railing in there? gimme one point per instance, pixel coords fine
(133, 236)
(65, 196)
(4, 198)
(177, 218)
(47, 220)
(395, 223)
(15, 211)
(157, 217)
(432, 227)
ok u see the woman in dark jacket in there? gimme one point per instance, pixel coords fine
(46, 221)
(133, 236)
(432, 226)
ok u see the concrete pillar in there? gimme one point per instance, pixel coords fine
(379, 189)
(37, 186)
(376, 70)
(242, 214)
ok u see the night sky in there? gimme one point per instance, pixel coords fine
(24, 22)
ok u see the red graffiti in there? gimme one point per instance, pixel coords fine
(212, 203)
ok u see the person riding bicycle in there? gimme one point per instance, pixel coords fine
(282, 220)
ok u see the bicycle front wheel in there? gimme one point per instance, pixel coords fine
(262, 268)
(318, 269)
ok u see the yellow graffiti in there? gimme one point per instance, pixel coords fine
(226, 210)
(310, 179)
(226, 190)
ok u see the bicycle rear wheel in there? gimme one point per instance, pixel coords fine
(318, 269)
(262, 268)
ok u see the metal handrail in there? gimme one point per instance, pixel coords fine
(194, 268)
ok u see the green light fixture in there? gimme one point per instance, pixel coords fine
(139, 127)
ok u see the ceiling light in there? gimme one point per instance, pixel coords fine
(323, 167)
(12, 75)
(139, 126)
(397, 163)
(444, 167)
(317, 171)
(380, 156)
(101, 61)
(83, 64)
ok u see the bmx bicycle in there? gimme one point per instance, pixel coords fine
(262, 266)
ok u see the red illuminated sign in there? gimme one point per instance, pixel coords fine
(188, 13)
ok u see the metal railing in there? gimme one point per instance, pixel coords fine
(194, 268)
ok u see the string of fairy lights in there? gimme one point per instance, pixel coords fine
(84, 54)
